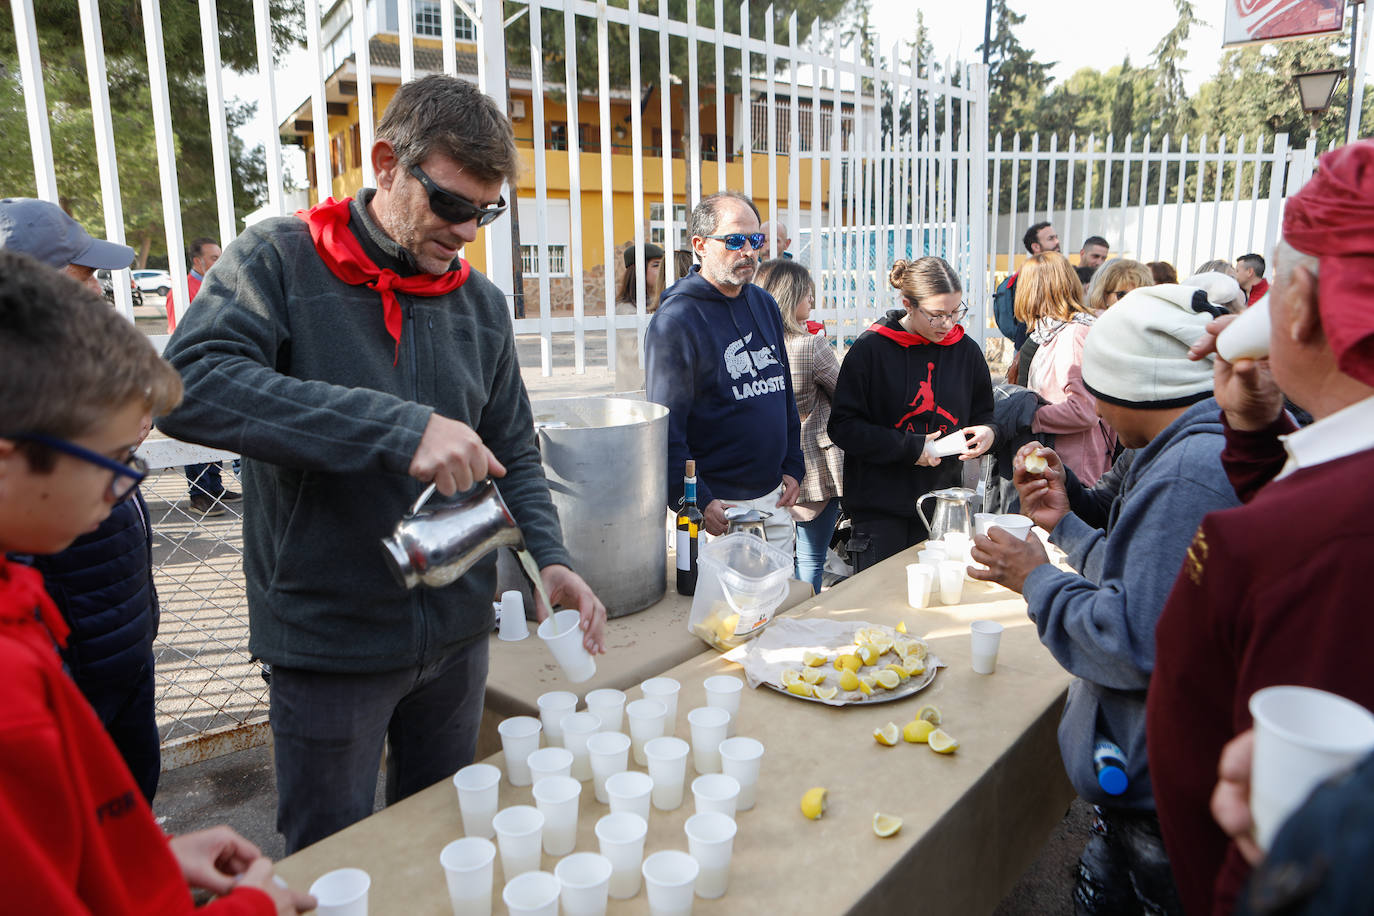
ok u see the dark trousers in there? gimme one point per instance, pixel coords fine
(1124, 870)
(330, 731)
(128, 714)
(204, 478)
(873, 540)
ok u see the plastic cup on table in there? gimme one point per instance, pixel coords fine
(668, 769)
(724, 692)
(585, 879)
(342, 892)
(952, 581)
(716, 792)
(710, 726)
(1302, 737)
(607, 705)
(648, 719)
(987, 637)
(670, 879)
(956, 545)
(469, 867)
(550, 761)
(532, 893)
(665, 690)
(561, 632)
(630, 792)
(478, 790)
(514, 626)
(609, 753)
(920, 581)
(711, 841)
(519, 739)
(577, 728)
(518, 835)
(740, 758)
(557, 799)
(1018, 526)
(553, 706)
(621, 839)
(932, 554)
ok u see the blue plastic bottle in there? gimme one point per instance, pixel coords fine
(1110, 762)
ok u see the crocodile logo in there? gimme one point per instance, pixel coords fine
(740, 361)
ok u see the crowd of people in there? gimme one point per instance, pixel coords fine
(351, 356)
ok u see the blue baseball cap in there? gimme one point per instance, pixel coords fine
(43, 231)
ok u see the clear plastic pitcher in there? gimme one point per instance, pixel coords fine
(742, 581)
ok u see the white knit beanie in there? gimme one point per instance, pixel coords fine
(1136, 354)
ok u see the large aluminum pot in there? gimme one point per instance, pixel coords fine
(606, 460)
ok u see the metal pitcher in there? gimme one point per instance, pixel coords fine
(436, 546)
(747, 520)
(953, 512)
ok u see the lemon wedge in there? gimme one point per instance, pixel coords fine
(813, 802)
(886, 825)
(827, 693)
(914, 666)
(866, 683)
(813, 659)
(888, 735)
(901, 627)
(941, 742)
(882, 643)
(916, 732)
(812, 675)
(849, 660)
(898, 670)
(849, 680)
(930, 714)
(727, 626)
(868, 654)
(801, 689)
(887, 679)
(915, 649)
(791, 676)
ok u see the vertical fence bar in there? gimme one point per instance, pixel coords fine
(541, 190)
(1163, 185)
(1179, 194)
(1198, 181)
(693, 179)
(448, 35)
(492, 80)
(981, 231)
(603, 69)
(1254, 193)
(219, 132)
(1032, 206)
(1052, 161)
(1140, 197)
(746, 100)
(166, 148)
(665, 115)
(1239, 159)
(1015, 200)
(262, 27)
(1220, 162)
(637, 163)
(103, 123)
(1088, 161)
(1068, 192)
(835, 240)
(722, 148)
(319, 109)
(573, 95)
(771, 136)
(793, 136)
(35, 99)
(362, 61)
(1125, 188)
(814, 257)
(995, 207)
(1278, 159)
(406, 26)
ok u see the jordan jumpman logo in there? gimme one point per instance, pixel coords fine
(924, 402)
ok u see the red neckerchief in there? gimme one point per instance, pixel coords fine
(344, 256)
(26, 594)
(908, 339)
(815, 327)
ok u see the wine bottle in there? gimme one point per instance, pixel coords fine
(689, 519)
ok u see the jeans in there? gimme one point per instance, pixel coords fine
(813, 540)
(1124, 869)
(204, 479)
(876, 539)
(330, 730)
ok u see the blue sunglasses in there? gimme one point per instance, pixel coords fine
(735, 241)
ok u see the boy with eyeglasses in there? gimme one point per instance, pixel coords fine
(77, 383)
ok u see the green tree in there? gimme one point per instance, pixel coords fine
(1169, 99)
(1016, 80)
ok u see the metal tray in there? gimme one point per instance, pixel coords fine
(915, 684)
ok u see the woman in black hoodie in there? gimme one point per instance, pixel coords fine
(913, 376)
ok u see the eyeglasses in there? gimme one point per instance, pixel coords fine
(950, 318)
(454, 208)
(735, 240)
(128, 473)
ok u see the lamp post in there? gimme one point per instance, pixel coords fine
(1316, 88)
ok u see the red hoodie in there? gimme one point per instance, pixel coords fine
(79, 838)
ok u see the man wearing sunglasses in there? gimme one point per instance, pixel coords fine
(715, 357)
(352, 357)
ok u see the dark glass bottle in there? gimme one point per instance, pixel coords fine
(689, 519)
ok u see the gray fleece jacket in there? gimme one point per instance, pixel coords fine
(293, 369)
(1127, 537)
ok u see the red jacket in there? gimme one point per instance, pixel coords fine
(1257, 291)
(192, 287)
(79, 838)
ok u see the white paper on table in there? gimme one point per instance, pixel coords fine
(783, 644)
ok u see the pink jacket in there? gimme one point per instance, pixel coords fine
(1083, 440)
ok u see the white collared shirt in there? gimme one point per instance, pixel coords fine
(1345, 432)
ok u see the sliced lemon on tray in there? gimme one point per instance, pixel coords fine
(813, 659)
(849, 680)
(826, 693)
(812, 675)
(886, 679)
(791, 676)
(801, 689)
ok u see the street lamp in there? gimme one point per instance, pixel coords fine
(1316, 89)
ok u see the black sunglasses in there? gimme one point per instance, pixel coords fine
(128, 473)
(735, 241)
(454, 208)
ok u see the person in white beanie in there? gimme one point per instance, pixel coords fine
(1126, 539)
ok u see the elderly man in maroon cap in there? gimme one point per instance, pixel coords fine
(1277, 590)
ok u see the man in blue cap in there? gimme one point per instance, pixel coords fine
(42, 230)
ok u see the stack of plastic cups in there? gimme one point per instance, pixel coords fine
(621, 839)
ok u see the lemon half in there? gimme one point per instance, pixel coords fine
(886, 824)
(918, 731)
(887, 679)
(813, 802)
(941, 742)
(931, 714)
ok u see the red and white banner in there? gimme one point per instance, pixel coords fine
(1251, 21)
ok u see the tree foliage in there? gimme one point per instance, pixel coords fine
(1016, 80)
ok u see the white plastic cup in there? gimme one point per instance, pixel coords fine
(607, 705)
(982, 521)
(716, 792)
(532, 893)
(952, 581)
(670, 879)
(342, 892)
(710, 726)
(469, 867)
(621, 839)
(562, 634)
(553, 706)
(577, 728)
(648, 719)
(630, 792)
(557, 799)
(932, 554)
(665, 690)
(947, 446)
(519, 830)
(609, 753)
(585, 879)
(1018, 526)
(478, 788)
(919, 580)
(1302, 737)
(549, 761)
(740, 758)
(987, 637)
(724, 692)
(1248, 336)
(519, 739)
(956, 545)
(668, 768)
(711, 841)
(513, 623)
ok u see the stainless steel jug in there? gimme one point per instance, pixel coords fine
(747, 520)
(952, 512)
(435, 546)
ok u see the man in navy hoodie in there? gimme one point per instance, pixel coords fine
(714, 356)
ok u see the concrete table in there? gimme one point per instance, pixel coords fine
(974, 820)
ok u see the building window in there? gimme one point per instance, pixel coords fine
(355, 145)
(558, 135)
(658, 230)
(429, 21)
(558, 260)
